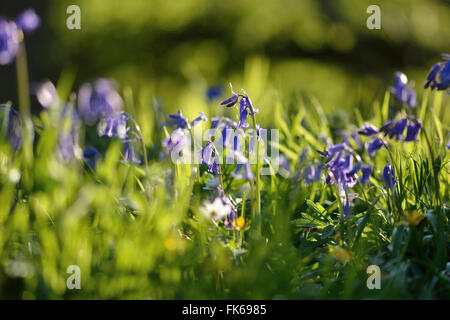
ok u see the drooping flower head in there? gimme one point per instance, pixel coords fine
(114, 125)
(439, 75)
(179, 120)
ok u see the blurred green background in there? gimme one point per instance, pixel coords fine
(175, 50)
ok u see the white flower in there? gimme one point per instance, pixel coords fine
(216, 210)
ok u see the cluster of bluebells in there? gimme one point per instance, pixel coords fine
(11, 34)
(101, 103)
(98, 104)
(343, 172)
(439, 76)
(220, 209)
(394, 129)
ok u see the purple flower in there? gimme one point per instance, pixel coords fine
(248, 174)
(368, 130)
(213, 93)
(175, 142)
(355, 169)
(243, 113)
(90, 156)
(448, 144)
(439, 75)
(403, 92)
(397, 129)
(98, 101)
(226, 135)
(312, 174)
(180, 121)
(28, 21)
(215, 122)
(114, 125)
(230, 102)
(373, 146)
(129, 154)
(394, 128)
(201, 117)
(389, 176)
(366, 173)
(9, 41)
(208, 158)
(412, 130)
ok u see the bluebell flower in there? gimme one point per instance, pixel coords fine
(243, 113)
(231, 102)
(9, 41)
(355, 169)
(115, 125)
(98, 101)
(448, 144)
(129, 154)
(213, 93)
(366, 173)
(247, 175)
(373, 146)
(200, 118)
(227, 132)
(210, 158)
(394, 128)
(28, 21)
(175, 142)
(398, 128)
(90, 156)
(215, 122)
(68, 147)
(368, 130)
(402, 91)
(439, 75)
(389, 176)
(179, 120)
(412, 130)
(312, 173)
